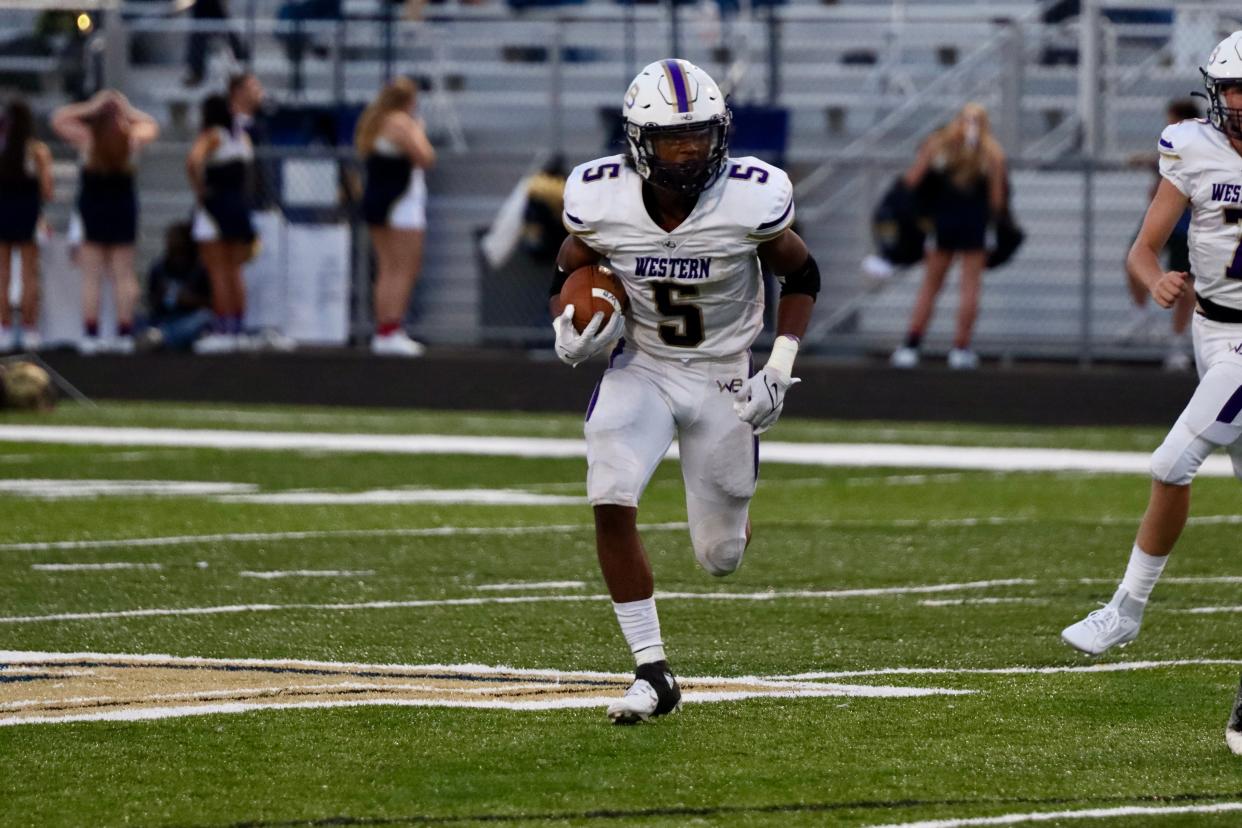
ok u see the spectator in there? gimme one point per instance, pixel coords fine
(212, 12)
(107, 132)
(178, 292)
(25, 184)
(217, 167)
(542, 230)
(1176, 251)
(246, 97)
(969, 166)
(394, 146)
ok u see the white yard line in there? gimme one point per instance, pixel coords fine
(273, 574)
(506, 599)
(520, 585)
(266, 537)
(92, 567)
(57, 488)
(1114, 667)
(1051, 816)
(957, 602)
(1208, 610)
(476, 497)
(815, 454)
(449, 531)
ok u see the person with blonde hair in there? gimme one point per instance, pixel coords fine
(108, 132)
(393, 144)
(25, 185)
(219, 167)
(969, 166)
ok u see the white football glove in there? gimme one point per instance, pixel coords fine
(761, 398)
(573, 347)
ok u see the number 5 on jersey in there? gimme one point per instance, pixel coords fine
(687, 331)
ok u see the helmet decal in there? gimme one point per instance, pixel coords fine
(678, 82)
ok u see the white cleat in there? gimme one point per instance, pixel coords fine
(637, 705)
(1178, 362)
(905, 358)
(397, 344)
(121, 345)
(1115, 624)
(89, 346)
(963, 359)
(654, 693)
(31, 340)
(216, 343)
(8, 337)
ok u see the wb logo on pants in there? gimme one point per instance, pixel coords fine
(731, 387)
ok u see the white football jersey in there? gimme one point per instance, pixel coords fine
(1199, 161)
(695, 292)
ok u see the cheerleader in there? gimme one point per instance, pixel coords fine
(25, 184)
(394, 147)
(219, 167)
(969, 166)
(108, 133)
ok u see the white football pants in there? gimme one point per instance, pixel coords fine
(1213, 417)
(641, 403)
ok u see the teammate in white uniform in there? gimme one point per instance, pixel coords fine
(685, 228)
(1200, 165)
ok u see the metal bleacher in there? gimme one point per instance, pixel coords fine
(862, 83)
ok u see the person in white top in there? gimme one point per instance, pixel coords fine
(393, 145)
(25, 186)
(108, 132)
(686, 229)
(1200, 166)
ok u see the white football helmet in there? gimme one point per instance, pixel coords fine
(1224, 69)
(674, 100)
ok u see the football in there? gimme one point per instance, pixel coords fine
(592, 289)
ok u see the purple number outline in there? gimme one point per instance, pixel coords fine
(596, 174)
(736, 171)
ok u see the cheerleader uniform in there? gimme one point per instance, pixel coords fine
(108, 207)
(20, 204)
(396, 192)
(960, 214)
(224, 214)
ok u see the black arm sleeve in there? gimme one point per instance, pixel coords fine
(558, 281)
(804, 280)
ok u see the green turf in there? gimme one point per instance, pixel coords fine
(1019, 743)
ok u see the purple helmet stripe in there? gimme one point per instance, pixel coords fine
(677, 78)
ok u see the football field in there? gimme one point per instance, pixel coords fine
(267, 616)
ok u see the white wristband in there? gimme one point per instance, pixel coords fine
(781, 360)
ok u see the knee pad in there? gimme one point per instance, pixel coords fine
(718, 545)
(1179, 457)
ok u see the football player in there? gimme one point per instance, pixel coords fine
(684, 227)
(1200, 165)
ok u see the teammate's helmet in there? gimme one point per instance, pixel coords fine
(675, 101)
(1224, 69)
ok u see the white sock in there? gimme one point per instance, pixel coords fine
(1142, 573)
(641, 627)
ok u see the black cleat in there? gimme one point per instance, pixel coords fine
(653, 693)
